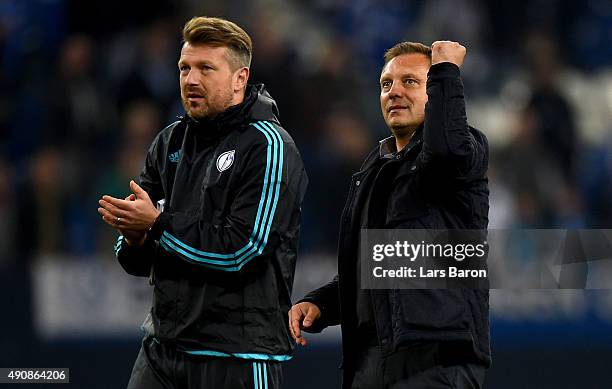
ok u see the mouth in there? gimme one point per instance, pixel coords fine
(396, 108)
(194, 97)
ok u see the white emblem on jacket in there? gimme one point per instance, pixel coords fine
(225, 160)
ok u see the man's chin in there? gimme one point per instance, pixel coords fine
(197, 114)
(398, 124)
(402, 129)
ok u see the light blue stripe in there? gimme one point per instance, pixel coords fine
(211, 353)
(255, 375)
(167, 236)
(259, 373)
(278, 182)
(262, 228)
(265, 376)
(268, 216)
(267, 178)
(199, 261)
(257, 249)
(169, 246)
(264, 357)
(118, 244)
(249, 356)
(277, 191)
(178, 249)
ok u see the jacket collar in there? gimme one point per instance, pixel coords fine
(388, 148)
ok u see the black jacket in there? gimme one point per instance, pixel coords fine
(222, 253)
(438, 181)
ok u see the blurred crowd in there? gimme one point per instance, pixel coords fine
(84, 88)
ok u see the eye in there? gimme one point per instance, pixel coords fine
(183, 68)
(411, 81)
(385, 84)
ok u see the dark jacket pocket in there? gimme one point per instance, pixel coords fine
(444, 309)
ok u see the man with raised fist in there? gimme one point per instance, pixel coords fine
(430, 174)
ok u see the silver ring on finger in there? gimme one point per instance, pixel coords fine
(118, 220)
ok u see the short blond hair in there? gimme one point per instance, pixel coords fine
(220, 32)
(407, 48)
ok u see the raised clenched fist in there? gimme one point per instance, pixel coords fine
(447, 51)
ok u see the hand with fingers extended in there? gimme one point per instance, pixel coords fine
(302, 316)
(132, 216)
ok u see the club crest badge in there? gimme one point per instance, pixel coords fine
(225, 160)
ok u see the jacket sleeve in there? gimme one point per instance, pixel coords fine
(269, 190)
(137, 261)
(327, 298)
(448, 141)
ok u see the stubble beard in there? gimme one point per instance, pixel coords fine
(207, 111)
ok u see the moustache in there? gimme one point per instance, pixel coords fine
(193, 93)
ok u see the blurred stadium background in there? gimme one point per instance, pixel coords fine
(84, 87)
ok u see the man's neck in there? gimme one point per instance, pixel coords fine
(403, 140)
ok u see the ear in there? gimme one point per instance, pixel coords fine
(241, 77)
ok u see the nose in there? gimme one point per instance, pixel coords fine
(192, 78)
(395, 90)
